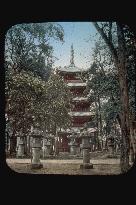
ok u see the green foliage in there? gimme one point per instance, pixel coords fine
(104, 86)
(59, 97)
(27, 47)
(34, 98)
(34, 102)
(131, 68)
(103, 76)
(22, 92)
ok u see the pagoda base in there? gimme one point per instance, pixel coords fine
(36, 166)
(86, 166)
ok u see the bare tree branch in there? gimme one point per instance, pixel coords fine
(107, 41)
(110, 35)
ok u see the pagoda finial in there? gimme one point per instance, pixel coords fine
(72, 55)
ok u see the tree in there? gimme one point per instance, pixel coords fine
(120, 59)
(27, 47)
(22, 93)
(104, 87)
(131, 68)
(34, 102)
(57, 115)
(59, 97)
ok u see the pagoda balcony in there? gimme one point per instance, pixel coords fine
(74, 81)
(78, 92)
(77, 121)
(80, 120)
(80, 109)
(78, 124)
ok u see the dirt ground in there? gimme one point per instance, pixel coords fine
(67, 169)
(102, 165)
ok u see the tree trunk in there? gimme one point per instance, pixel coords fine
(135, 77)
(100, 121)
(120, 59)
(97, 118)
(25, 145)
(133, 141)
(125, 124)
(56, 144)
(13, 144)
(7, 141)
(28, 147)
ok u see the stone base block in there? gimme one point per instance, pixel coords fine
(86, 166)
(36, 166)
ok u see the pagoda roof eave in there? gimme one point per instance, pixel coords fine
(70, 71)
(80, 99)
(76, 84)
(81, 114)
(77, 130)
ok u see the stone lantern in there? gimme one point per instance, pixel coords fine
(73, 144)
(21, 146)
(36, 149)
(85, 146)
(111, 145)
(47, 145)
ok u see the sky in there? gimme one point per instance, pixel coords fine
(81, 34)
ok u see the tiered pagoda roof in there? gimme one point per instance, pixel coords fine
(76, 83)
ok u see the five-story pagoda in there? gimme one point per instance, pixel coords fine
(80, 113)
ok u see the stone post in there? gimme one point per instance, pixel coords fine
(46, 148)
(111, 146)
(73, 144)
(36, 151)
(73, 148)
(81, 150)
(21, 148)
(85, 146)
(28, 145)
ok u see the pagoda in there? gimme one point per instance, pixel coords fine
(80, 113)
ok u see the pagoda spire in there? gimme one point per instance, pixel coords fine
(72, 55)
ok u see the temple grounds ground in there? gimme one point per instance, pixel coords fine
(66, 167)
(102, 165)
